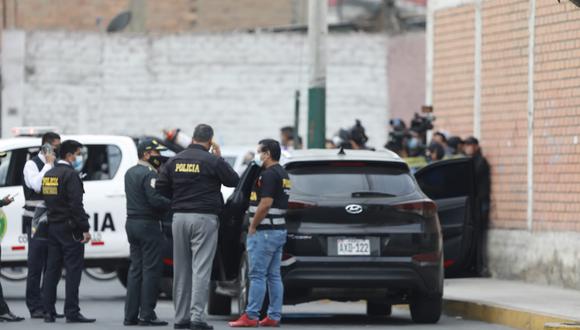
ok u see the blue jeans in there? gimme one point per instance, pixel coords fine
(265, 256)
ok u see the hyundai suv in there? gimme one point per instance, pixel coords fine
(360, 226)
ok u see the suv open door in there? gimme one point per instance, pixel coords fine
(451, 184)
(230, 246)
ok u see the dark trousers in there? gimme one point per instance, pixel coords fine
(63, 249)
(36, 263)
(3, 306)
(482, 237)
(145, 238)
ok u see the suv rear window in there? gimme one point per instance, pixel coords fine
(342, 180)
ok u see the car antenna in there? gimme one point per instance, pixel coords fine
(341, 151)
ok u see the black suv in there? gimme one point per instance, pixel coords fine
(360, 226)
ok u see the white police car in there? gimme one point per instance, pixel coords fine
(107, 158)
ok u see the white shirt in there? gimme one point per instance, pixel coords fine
(32, 176)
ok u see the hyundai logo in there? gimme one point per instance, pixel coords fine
(354, 209)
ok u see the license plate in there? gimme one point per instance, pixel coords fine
(353, 247)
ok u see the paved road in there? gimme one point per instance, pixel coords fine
(105, 301)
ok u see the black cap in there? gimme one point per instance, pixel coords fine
(454, 141)
(471, 140)
(149, 144)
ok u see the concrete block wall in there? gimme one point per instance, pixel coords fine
(243, 84)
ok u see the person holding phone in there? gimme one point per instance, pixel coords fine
(34, 170)
(68, 231)
(193, 180)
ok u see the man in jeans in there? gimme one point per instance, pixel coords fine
(193, 180)
(266, 238)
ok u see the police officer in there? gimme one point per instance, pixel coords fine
(266, 237)
(145, 207)
(5, 314)
(193, 179)
(68, 231)
(34, 170)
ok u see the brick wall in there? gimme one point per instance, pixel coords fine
(230, 15)
(547, 252)
(243, 84)
(406, 75)
(504, 109)
(160, 15)
(557, 117)
(504, 104)
(62, 14)
(453, 72)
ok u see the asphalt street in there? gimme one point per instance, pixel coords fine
(105, 302)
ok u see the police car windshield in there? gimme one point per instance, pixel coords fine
(350, 181)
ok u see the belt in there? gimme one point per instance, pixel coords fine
(272, 210)
(273, 221)
(271, 227)
(34, 203)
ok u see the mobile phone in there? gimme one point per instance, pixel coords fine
(47, 149)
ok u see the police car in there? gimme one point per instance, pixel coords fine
(107, 158)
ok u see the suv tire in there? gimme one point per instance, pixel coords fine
(378, 309)
(218, 304)
(426, 309)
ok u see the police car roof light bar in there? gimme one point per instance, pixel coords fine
(32, 131)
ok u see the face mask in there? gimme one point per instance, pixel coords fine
(157, 161)
(258, 160)
(57, 151)
(413, 143)
(78, 163)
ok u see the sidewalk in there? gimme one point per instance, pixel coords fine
(515, 304)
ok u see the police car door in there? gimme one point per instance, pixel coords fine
(451, 184)
(14, 243)
(104, 167)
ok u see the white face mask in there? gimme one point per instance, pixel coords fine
(78, 163)
(258, 159)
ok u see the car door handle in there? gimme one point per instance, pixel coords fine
(115, 195)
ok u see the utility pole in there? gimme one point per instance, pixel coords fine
(317, 31)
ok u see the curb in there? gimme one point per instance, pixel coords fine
(562, 326)
(505, 316)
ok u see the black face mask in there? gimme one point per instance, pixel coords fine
(157, 161)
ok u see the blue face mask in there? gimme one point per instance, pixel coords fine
(258, 160)
(78, 163)
(413, 143)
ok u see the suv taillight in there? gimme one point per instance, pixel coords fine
(424, 208)
(299, 205)
(427, 259)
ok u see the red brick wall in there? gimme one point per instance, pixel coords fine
(504, 96)
(62, 14)
(161, 15)
(406, 75)
(557, 117)
(453, 70)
